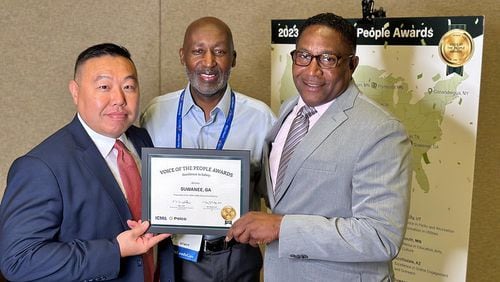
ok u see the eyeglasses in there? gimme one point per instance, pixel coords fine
(325, 61)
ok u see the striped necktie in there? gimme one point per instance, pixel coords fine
(298, 130)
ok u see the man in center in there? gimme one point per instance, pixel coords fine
(208, 114)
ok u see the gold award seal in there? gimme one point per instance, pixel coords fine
(228, 213)
(456, 47)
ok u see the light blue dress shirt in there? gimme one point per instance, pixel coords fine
(251, 122)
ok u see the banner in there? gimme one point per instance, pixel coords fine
(426, 72)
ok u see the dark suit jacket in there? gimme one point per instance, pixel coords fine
(62, 210)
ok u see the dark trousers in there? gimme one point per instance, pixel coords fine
(239, 263)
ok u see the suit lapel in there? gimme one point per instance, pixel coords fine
(140, 138)
(99, 169)
(267, 173)
(334, 117)
(287, 108)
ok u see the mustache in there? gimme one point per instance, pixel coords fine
(208, 71)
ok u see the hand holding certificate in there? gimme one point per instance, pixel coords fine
(194, 191)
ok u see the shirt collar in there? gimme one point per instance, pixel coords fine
(103, 143)
(222, 106)
(320, 110)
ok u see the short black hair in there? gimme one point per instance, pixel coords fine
(335, 22)
(100, 50)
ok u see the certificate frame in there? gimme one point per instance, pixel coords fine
(187, 199)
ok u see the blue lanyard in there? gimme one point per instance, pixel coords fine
(225, 129)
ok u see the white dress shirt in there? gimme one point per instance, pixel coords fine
(279, 141)
(105, 146)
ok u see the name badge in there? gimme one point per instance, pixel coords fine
(187, 246)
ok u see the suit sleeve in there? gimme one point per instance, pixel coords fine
(380, 187)
(30, 221)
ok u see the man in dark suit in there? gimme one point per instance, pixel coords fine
(65, 213)
(337, 168)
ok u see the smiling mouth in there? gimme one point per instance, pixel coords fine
(118, 116)
(205, 76)
(312, 84)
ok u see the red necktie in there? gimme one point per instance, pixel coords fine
(131, 179)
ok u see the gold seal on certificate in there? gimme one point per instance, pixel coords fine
(228, 213)
(456, 47)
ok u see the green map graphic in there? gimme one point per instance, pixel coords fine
(421, 116)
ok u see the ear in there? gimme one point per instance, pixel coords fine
(74, 89)
(181, 56)
(234, 59)
(353, 63)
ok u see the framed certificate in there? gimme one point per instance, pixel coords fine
(194, 191)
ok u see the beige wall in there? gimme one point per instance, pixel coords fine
(40, 40)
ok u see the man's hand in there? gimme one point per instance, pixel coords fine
(255, 228)
(135, 242)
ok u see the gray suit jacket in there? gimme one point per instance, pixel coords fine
(345, 196)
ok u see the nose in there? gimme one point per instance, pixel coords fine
(209, 59)
(118, 97)
(314, 68)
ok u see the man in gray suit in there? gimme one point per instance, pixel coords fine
(340, 197)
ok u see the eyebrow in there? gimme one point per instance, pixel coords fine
(133, 77)
(218, 44)
(329, 52)
(100, 77)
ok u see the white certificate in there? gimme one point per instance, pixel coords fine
(194, 191)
